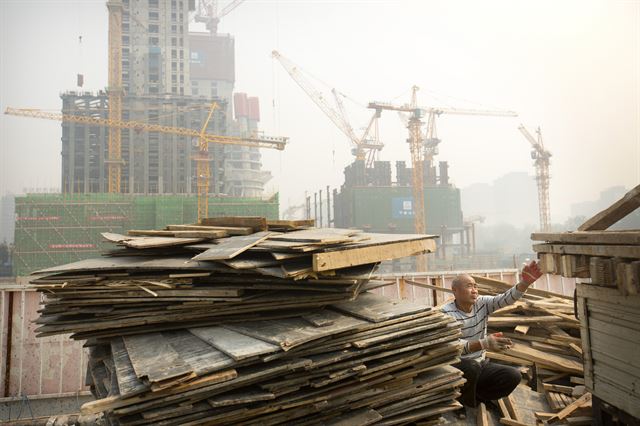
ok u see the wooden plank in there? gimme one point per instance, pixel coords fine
(576, 349)
(363, 417)
(363, 255)
(566, 411)
(230, 230)
(243, 397)
(148, 242)
(482, 418)
(128, 382)
(618, 210)
(154, 358)
(376, 308)
(318, 236)
(292, 332)
(554, 361)
(209, 234)
(237, 346)
(508, 358)
(627, 237)
(513, 409)
(232, 246)
(626, 251)
(257, 223)
(290, 224)
(198, 354)
(511, 422)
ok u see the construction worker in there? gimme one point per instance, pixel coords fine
(486, 381)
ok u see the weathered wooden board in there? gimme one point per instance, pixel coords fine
(229, 230)
(148, 242)
(626, 251)
(626, 237)
(154, 359)
(236, 345)
(317, 236)
(376, 308)
(289, 333)
(618, 210)
(208, 234)
(201, 357)
(290, 224)
(128, 382)
(229, 248)
(543, 358)
(257, 223)
(371, 252)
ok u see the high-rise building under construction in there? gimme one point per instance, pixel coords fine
(169, 77)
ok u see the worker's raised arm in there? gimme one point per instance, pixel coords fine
(530, 273)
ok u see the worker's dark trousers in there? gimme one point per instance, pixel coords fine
(486, 381)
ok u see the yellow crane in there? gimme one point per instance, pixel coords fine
(204, 139)
(423, 147)
(365, 146)
(542, 159)
(114, 92)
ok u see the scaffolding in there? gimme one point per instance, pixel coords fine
(53, 229)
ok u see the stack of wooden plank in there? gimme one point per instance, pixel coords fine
(610, 258)
(547, 347)
(369, 361)
(153, 282)
(606, 263)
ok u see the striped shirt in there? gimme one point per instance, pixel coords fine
(474, 323)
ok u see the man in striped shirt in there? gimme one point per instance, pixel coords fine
(486, 381)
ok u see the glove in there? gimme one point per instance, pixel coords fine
(531, 272)
(495, 342)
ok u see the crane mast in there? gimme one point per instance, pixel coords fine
(114, 91)
(422, 147)
(542, 159)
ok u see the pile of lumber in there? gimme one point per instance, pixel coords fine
(610, 258)
(369, 361)
(547, 348)
(151, 283)
(606, 264)
(243, 321)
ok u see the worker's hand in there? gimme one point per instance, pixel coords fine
(495, 342)
(531, 272)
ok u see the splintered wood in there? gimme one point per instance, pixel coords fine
(246, 321)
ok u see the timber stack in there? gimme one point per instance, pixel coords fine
(606, 263)
(244, 321)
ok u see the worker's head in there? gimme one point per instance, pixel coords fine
(465, 289)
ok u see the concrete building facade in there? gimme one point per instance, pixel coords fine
(169, 77)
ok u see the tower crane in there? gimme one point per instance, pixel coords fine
(542, 159)
(202, 158)
(423, 147)
(365, 146)
(207, 12)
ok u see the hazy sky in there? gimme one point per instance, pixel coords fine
(572, 67)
